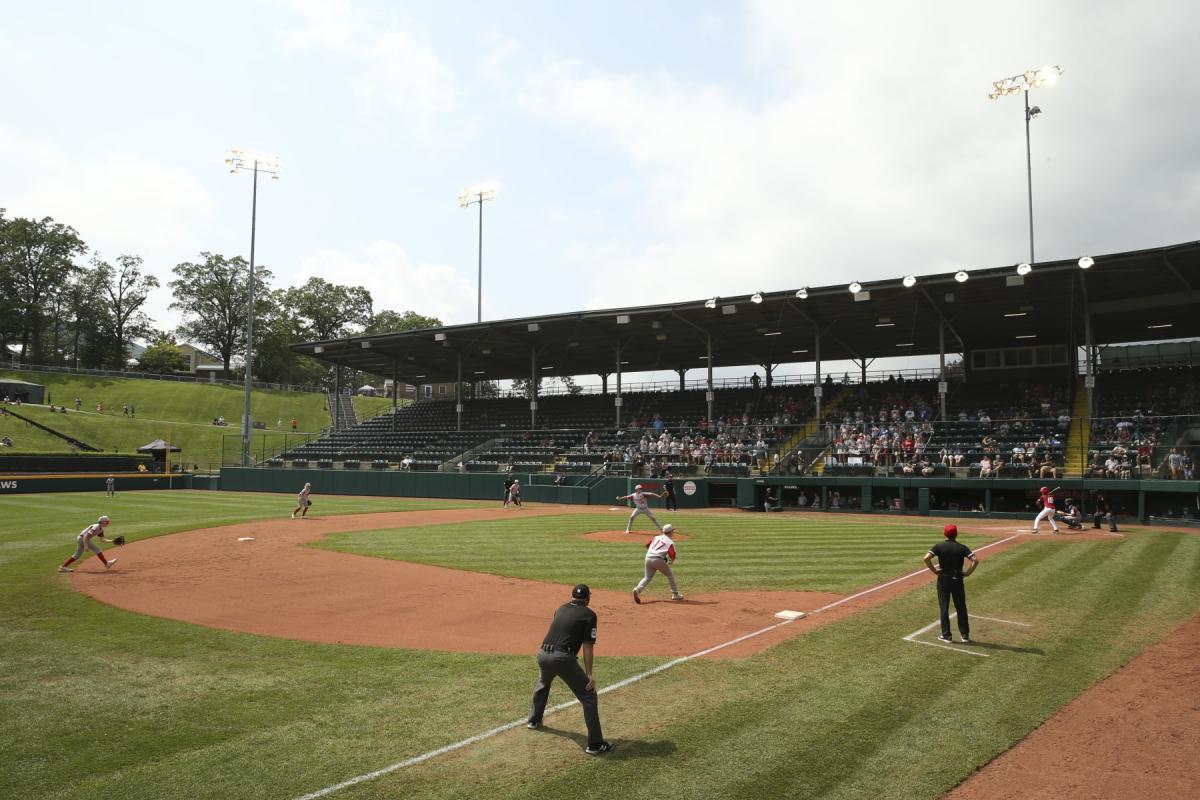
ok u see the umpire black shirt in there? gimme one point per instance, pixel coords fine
(950, 555)
(574, 625)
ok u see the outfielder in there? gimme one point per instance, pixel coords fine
(302, 501)
(640, 507)
(660, 555)
(84, 540)
(1046, 500)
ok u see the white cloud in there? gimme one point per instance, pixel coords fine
(870, 160)
(117, 202)
(395, 282)
(396, 68)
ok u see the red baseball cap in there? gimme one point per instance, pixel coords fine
(950, 531)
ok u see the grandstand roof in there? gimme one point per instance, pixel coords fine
(1130, 297)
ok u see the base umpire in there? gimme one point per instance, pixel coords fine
(573, 629)
(950, 555)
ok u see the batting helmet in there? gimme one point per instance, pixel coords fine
(950, 531)
(1045, 490)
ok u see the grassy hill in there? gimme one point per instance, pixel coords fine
(28, 439)
(181, 412)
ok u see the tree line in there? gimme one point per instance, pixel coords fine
(63, 305)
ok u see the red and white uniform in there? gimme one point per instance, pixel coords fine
(640, 506)
(660, 554)
(1047, 512)
(84, 539)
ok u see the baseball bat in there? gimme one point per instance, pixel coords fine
(1055, 489)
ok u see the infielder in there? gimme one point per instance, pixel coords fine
(640, 506)
(84, 540)
(660, 555)
(514, 493)
(302, 501)
(1047, 503)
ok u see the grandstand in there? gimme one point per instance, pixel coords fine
(1031, 393)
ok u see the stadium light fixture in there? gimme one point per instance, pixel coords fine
(855, 287)
(756, 298)
(1029, 79)
(1024, 269)
(1027, 336)
(238, 160)
(885, 322)
(480, 193)
(710, 302)
(961, 276)
(802, 293)
(910, 281)
(773, 333)
(799, 351)
(1016, 314)
(1086, 262)
(904, 344)
(1160, 325)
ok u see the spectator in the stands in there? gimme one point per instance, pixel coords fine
(985, 467)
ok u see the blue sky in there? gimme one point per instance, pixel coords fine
(646, 152)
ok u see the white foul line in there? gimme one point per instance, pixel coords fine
(479, 737)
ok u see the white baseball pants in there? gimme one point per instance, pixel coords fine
(647, 512)
(1045, 513)
(654, 565)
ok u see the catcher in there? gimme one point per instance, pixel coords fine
(85, 539)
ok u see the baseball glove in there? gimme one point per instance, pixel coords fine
(120, 540)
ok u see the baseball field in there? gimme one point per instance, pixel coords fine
(383, 648)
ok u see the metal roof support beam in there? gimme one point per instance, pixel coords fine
(533, 387)
(395, 391)
(1179, 275)
(617, 400)
(817, 353)
(941, 368)
(817, 327)
(682, 371)
(1088, 349)
(942, 317)
(708, 395)
(750, 357)
(337, 396)
(458, 403)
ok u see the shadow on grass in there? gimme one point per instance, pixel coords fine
(625, 748)
(978, 645)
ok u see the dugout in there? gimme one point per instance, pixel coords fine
(24, 391)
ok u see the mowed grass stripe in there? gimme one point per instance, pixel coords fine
(760, 552)
(850, 710)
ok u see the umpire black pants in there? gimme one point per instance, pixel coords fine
(559, 664)
(670, 503)
(947, 588)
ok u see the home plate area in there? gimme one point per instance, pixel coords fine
(989, 636)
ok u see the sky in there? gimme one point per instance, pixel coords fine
(645, 152)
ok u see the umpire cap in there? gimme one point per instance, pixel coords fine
(581, 592)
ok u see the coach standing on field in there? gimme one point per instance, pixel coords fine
(949, 570)
(573, 629)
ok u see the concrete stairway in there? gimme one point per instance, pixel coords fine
(1080, 433)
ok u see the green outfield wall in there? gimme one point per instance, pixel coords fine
(15, 483)
(925, 496)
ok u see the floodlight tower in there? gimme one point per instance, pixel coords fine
(478, 194)
(1029, 79)
(238, 160)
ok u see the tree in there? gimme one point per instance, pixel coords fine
(212, 297)
(85, 321)
(393, 322)
(126, 289)
(163, 357)
(275, 330)
(328, 310)
(36, 260)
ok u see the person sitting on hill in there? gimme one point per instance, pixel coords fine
(6, 442)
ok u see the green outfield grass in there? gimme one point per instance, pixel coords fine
(181, 411)
(101, 703)
(816, 552)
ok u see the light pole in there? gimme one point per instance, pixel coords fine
(478, 194)
(240, 160)
(1029, 79)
